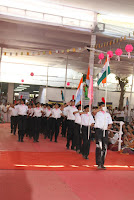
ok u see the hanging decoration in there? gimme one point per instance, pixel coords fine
(22, 80)
(32, 74)
(68, 83)
(129, 49)
(118, 52)
(110, 53)
(101, 57)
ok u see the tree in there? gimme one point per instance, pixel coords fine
(122, 83)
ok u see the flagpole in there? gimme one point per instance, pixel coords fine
(82, 97)
(106, 97)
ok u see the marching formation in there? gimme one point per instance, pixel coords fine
(47, 119)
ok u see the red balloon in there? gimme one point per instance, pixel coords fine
(32, 74)
(68, 83)
(22, 80)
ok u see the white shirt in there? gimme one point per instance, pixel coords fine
(102, 120)
(48, 112)
(77, 118)
(37, 112)
(70, 110)
(64, 112)
(44, 111)
(14, 111)
(56, 113)
(30, 111)
(87, 119)
(114, 139)
(121, 114)
(22, 109)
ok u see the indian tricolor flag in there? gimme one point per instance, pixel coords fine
(88, 76)
(79, 91)
(104, 72)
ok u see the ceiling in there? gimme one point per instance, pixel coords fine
(27, 36)
(121, 7)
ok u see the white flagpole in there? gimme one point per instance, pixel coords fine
(82, 97)
(106, 96)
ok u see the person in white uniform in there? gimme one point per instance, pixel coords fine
(14, 114)
(87, 122)
(48, 121)
(22, 118)
(77, 130)
(103, 122)
(37, 121)
(29, 121)
(56, 113)
(70, 109)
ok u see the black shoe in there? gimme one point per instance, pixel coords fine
(86, 157)
(50, 140)
(56, 141)
(99, 167)
(18, 140)
(34, 141)
(37, 140)
(72, 148)
(103, 167)
(22, 141)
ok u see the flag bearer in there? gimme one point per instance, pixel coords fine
(64, 121)
(77, 129)
(70, 109)
(56, 113)
(87, 121)
(22, 117)
(103, 122)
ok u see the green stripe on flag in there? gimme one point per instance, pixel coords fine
(103, 76)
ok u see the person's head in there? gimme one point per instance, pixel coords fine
(34, 106)
(48, 107)
(72, 102)
(38, 104)
(56, 106)
(29, 106)
(79, 107)
(86, 108)
(22, 101)
(102, 106)
(44, 106)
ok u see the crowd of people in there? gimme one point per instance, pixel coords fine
(79, 126)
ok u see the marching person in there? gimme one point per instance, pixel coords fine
(22, 117)
(48, 121)
(29, 121)
(87, 122)
(56, 113)
(37, 121)
(77, 129)
(14, 114)
(70, 109)
(103, 122)
(64, 121)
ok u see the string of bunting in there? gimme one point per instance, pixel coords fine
(50, 52)
(32, 53)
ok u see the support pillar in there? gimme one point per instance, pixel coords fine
(10, 93)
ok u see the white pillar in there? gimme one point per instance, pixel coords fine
(10, 93)
(42, 95)
(65, 85)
